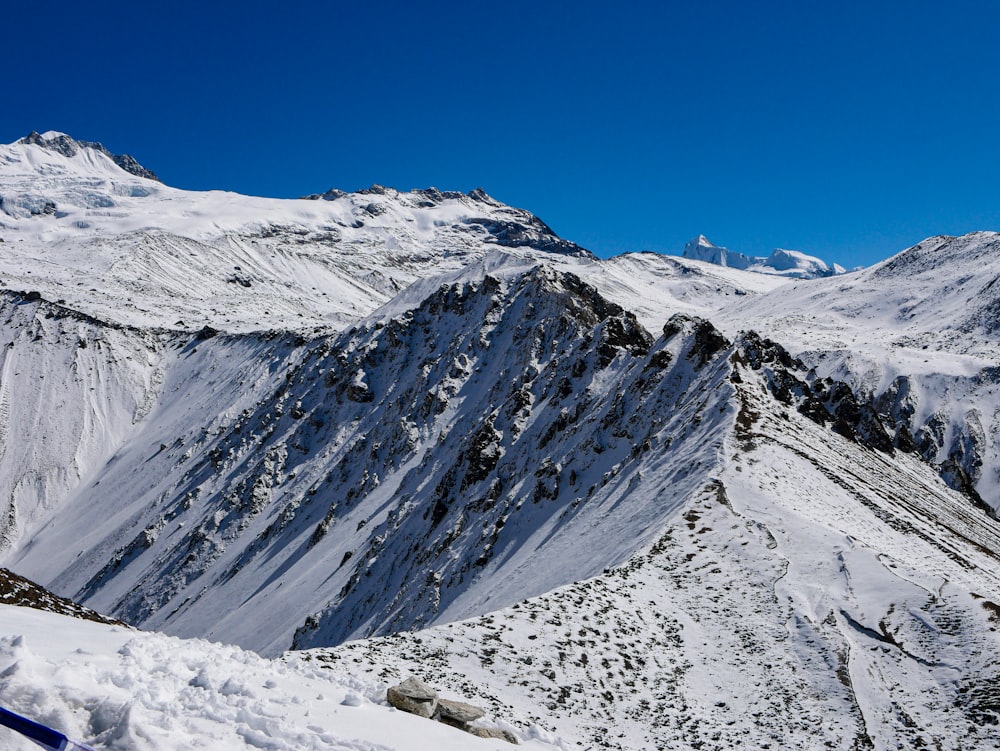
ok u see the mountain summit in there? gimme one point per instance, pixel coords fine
(69, 147)
(701, 248)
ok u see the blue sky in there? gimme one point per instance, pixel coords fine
(846, 130)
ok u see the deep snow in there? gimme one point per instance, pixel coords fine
(120, 689)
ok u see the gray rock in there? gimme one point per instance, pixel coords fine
(416, 689)
(421, 708)
(504, 735)
(413, 696)
(458, 711)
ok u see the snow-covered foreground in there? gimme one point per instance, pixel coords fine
(124, 690)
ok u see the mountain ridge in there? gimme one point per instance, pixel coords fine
(699, 505)
(68, 146)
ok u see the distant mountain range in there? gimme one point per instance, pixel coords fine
(708, 501)
(788, 263)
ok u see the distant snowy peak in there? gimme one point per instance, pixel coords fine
(787, 263)
(701, 249)
(796, 263)
(66, 145)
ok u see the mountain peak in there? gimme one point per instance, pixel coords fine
(700, 248)
(53, 140)
(61, 143)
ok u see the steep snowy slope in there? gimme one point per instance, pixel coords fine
(917, 334)
(71, 389)
(814, 593)
(399, 474)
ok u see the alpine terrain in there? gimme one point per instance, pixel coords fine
(708, 501)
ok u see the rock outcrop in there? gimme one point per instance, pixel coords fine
(413, 696)
(416, 697)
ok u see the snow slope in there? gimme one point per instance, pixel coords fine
(814, 593)
(917, 334)
(131, 250)
(117, 688)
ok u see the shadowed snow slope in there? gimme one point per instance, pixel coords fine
(396, 475)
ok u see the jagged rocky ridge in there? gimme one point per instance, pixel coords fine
(814, 591)
(399, 437)
(913, 338)
(16, 590)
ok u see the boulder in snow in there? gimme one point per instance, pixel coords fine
(413, 696)
(458, 712)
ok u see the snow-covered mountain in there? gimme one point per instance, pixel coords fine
(788, 263)
(703, 506)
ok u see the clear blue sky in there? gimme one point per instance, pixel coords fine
(848, 130)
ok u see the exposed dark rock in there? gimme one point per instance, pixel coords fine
(16, 590)
(359, 392)
(240, 279)
(708, 342)
(206, 332)
(532, 233)
(821, 400)
(69, 147)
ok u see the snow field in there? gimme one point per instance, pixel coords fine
(117, 689)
